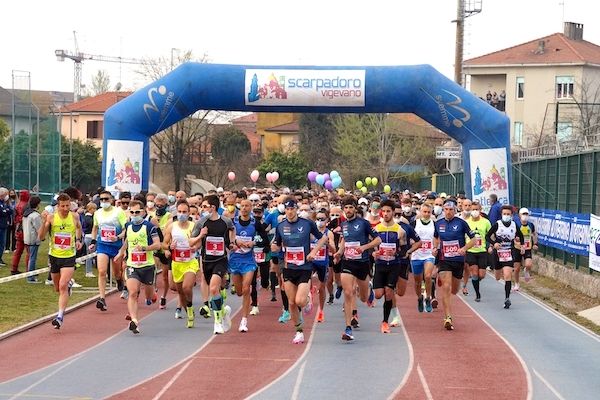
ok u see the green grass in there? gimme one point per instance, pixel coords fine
(22, 302)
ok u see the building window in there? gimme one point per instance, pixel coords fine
(518, 134)
(94, 129)
(564, 130)
(565, 86)
(520, 87)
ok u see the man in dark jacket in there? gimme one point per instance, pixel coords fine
(5, 215)
(19, 210)
(495, 209)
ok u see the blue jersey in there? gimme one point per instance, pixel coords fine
(357, 232)
(322, 258)
(243, 233)
(395, 242)
(452, 237)
(295, 239)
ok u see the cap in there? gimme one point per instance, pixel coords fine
(362, 200)
(432, 195)
(219, 190)
(290, 204)
(451, 202)
(523, 211)
(443, 195)
(254, 197)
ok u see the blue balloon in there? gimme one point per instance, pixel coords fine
(334, 174)
(320, 179)
(336, 182)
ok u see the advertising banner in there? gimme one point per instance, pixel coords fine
(305, 87)
(124, 160)
(562, 230)
(489, 175)
(594, 242)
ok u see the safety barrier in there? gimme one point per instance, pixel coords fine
(79, 260)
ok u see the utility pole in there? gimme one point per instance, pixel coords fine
(464, 9)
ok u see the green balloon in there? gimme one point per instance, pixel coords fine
(364, 189)
(387, 189)
(368, 180)
(374, 181)
(359, 184)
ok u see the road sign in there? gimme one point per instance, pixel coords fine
(448, 152)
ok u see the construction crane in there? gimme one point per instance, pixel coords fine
(78, 58)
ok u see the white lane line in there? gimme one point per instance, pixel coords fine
(296, 390)
(424, 383)
(411, 360)
(173, 379)
(510, 346)
(548, 385)
(28, 388)
(291, 368)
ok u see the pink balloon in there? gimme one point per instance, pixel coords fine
(231, 175)
(274, 176)
(254, 175)
(269, 177)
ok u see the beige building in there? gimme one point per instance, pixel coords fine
(543, 80)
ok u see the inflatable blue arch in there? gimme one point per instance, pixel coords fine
(482, 130)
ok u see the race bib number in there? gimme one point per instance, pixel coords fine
(387, 251)
(243, 239)
(139, 257)
(351, 251)
(259, 255)
(108, 234)
(527, 243)
(294, 255)
(62, 241)
(478, 241)
(215, 246)
(321, 254)
(182, 255)
(505, 255)
(450, 249)
(426, 245)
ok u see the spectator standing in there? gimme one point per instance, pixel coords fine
(18, 223)
(87, 223)
(32, 222)
(5, 216)
(10, 233)
(502, 101)
(495, 100)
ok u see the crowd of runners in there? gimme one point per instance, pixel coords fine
(305, 247)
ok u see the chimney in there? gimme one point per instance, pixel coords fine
(574, 31)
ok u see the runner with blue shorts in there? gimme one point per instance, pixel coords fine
(422, 261)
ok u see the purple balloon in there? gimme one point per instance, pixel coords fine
(326, 176)
(312, 175)
(328, 185)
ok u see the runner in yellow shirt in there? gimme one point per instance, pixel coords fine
(477, 257)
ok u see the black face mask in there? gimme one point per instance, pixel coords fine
(161, 210)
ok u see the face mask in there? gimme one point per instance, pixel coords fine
(161, 210)
(524, 218)
(230, 209)
(397, 220)
(74, 206)
(303, 214)
(475, 213)
(437, 210)
(105, 205)
(150, 204)
(406, 209)
(237, 205)
(467, 214)
(506, 218)
(205, 214)
(281, 208)
(182, 217)
(171, 199)
(6, 198)
(137, 219)
(13, 196)
(320, 224)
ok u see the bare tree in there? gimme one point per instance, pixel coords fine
(100, 83)
(588, 105)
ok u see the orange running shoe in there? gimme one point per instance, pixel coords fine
(385, 328)
(320, 316)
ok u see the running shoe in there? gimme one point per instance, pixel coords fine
(285, 317)
(75, 284)
(224, 294)
(90, 275)
(243, 325)
(218, 328)
(204, 311)
(57, 323)
(434, 302)
(273, 298)
(330, 300)
(133, 327)
(465, 291)
(163, 303)
(148, 302)
(507, 303)
(354, 322)
(190, 317)
(298, 338)
(478, 298)
(226, 318)
(254, 311)
(178, 313)
(428, 307)
(420, 304)
(320, 316)
(232, 289)
(309, 305)
(338, 292)
(371, 299)
(527, 275)
(101, 305)
(347, 335)
(125, 294)
(516, 287)
(70, 287)
(48, 282)
(448, 323)
(154, 298)
(385, 328)
(395, 321)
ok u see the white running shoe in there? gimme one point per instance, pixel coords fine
(395, 317)
(75, 284)
(48, 282)
(178, 313)
(516, 287)
(90, 275)
(243, 325)
(226, 318)
(309, 305)
(125, 294)
(218, 328)
(298, 338)
(254, 310)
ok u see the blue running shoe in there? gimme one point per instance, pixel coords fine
(428, 307)
(285, 317)
(338, 292)
(347, 335)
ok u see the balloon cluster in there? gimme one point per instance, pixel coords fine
(272, 177)
(369, 181)
(329, 181)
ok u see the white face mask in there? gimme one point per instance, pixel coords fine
(467, 214)
(506, 218)
(303, 214)
(397, 220)
(524, 218)
(281, 208)
(406, 209)
(475, 213)
(437, 210)
(320, 224)
(150, 204)
(105, 205)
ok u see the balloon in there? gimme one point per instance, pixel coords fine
(364, 189)
(320, 179)
(312, 175)
(359, 184)
(326, 177)
(231, 176)
(254, 175)
(336, 182)
(328, 185)
(387, 189)
(374, 181)
(274, 176)
(368, 181)
(269, 177)
(334, 174)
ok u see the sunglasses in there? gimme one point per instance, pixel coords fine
(397, 215)
(205, 206)
(137, 212)
(104, 198)
(124, 203)
(334, 215)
